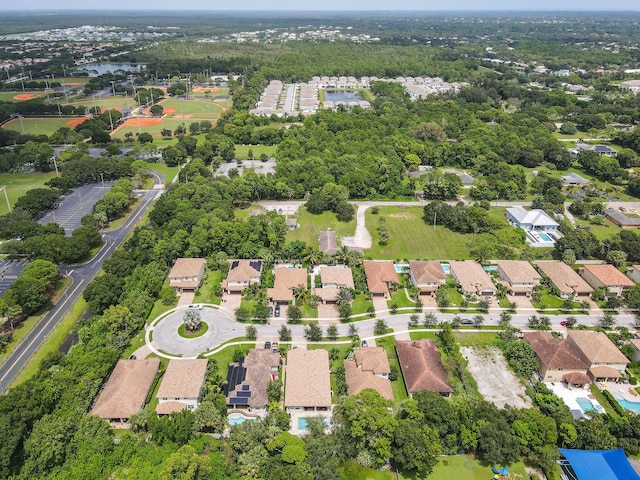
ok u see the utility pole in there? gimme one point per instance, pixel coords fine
(55, 165)
(6, 197)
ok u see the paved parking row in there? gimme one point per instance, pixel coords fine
(76, 205)
(9, 271)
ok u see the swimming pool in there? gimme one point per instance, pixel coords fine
(626, 404)
(304, 425)
(446, 268)
(238, 418)
(585, 404)
(401, 268)
(544, 237)
(490, 268)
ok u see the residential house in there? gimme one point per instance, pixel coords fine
(248, 379)
(535, 220)
(574, 180)
(606, 276)
(291, 223)
(242, 274)
(369, 369)
(634, 273)
(633, 85)
(565, 279)
(126, 390)
(560, 360)
(186, 274)
(328, 242)
(181, 386)
(308, 384)
(620, 219)
(601, 150)
(473, 279)
(518, 276)
(605, 361)
(427, 276)
(421, 367)
(379, 276)
(286, 280)
(333, 279)
(635, 343)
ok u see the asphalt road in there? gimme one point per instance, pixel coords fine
(9, 271)
(81, 275)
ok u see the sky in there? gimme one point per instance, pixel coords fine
(330, 5)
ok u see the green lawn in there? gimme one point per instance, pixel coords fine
(411, 238)
(468, 468)
(167, 172)
(421, 335)
(476, 339)
(225, 356)
(603, 401)
(154, 130)
(37, 126)
(105, 102)
(206, 293)
(198, 108)
(242, 151)
(360, 304)
(66, 80)
(18, 184)
(8, 96)
(352, 471)
(397, 387)
(400, 299)
(311, 226)
(602, 232)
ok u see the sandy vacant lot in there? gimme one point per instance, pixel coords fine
(496, 382)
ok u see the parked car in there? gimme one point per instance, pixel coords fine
(270, 311)
(277, 311)
(195, 306)
(466, 321)
(267, 345)
(364, 343)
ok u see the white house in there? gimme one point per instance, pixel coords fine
(531, 220)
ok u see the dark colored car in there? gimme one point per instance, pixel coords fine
(466, 321)
(267, 345)
(277, 311)
(271, 311)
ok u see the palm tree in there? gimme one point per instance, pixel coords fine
(300, 293)
(345, 296)
(312, 256)
(342, 255)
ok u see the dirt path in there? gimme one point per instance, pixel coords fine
(496, 383)
(362, 235)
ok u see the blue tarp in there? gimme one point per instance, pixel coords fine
(504, 471)
(600, 464)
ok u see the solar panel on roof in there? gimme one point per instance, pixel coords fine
(246, 387)
(256, 264)
(234, 264)
(237, 401)
(243, 394)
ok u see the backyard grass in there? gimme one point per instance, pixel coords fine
(352, 471)
(397, 387)
(476, 339)
(242, 151)
(52, 344)
(411, 237)
(468, 468)
(311, 225)
(602, 232)
(38, 126)
(18, 184)
(206, 293)
(603, 401)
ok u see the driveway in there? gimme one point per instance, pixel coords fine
(362, 235)
(185, 299)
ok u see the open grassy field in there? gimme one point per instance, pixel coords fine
(154, 130)
(38, 126)
(18, 184)
(196, 108)
(467, 467)
(602, 232)
(242, 151)
(68, 80)
(9, 96)
(311, 226)
(411, 238)
(106, 102)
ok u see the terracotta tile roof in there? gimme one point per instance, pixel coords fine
(339, 276)
(427, 272)
(183, 379)
(635, 342)
(609, 275)
(603, 371)
(244, 270)
(379, 275)
(519, 271)
(564, 277)
(421, 366)
(165, 408)
(576, 378)
(359, 380)
(373, 359)
(286, 280)
(472, 277)
(186, 267)
(596, 347)
(126, 390)
(307, 378)
(555, 352)
(327, 294)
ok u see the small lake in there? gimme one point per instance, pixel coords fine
(103, 68)
(342, 96)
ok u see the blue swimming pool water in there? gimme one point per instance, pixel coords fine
(401, 268)
(446, 268)
(303, 424)
(490, 268)
(237, 419)
(585, 404)
(545, 237)
(626, 404)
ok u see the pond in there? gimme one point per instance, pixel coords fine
(342, 96)
(103, 68)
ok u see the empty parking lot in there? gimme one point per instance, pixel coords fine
(76, 205)
(9, 271)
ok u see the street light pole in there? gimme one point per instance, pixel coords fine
(6, 197)
(55, 165)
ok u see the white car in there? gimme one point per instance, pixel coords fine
(195, 306)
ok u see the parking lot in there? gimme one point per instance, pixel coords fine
(76, 205)
(9, 271)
